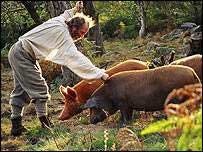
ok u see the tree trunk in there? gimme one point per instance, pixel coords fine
(142, 31)
(94, 33)
(29, 5)
(55, 8)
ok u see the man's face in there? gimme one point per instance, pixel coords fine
(79, 34)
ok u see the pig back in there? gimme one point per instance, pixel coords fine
(127, 66)
(195, 62)
(91, 86)
(148, 89)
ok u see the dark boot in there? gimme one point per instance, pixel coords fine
(17, 128)
(45, 122)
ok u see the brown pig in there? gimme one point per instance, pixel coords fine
(194, 61)
(76, 96)
(143, 90)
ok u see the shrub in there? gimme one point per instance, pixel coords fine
(131, 31)
(112, 25)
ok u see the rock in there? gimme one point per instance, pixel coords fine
(196, 29)
(151, 46)
(196, 43)
(128, 140)
(176, 33)
(188, 25)
(196, 36)
(164, 50)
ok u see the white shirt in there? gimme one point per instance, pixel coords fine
(52, 41)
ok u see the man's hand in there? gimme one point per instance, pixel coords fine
(105, 77)
(79, 6)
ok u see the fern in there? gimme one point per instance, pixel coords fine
(160, 126)
(191, 126)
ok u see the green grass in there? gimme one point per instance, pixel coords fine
(53, 139)
(60, 138)
(83, 120)
(154, 142)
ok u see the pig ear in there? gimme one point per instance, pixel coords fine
(71, 92)
(90, 104)
(63, 91)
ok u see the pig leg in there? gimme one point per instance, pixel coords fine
(126, 116)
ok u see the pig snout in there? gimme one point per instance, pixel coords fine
(62, 118)
(97, 116)
(64, 115)
(94, 120)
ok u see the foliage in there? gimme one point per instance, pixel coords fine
(113, 29)
(159, 15)
(15, 20)
(110, 21)
(109, 10)
(130, 31)
(163, 15)
(155, 142)
(88, 50)
(110, 27)
(191, 136)
(5, 50)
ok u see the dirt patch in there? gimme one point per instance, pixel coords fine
(12, 144)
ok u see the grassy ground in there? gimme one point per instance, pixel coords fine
(77, 133)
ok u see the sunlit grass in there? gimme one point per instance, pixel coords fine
(60, 138)
(5, 126)
(154, 142)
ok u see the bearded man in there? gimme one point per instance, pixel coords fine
(54, 41)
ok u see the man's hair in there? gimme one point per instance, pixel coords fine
(79, 19)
